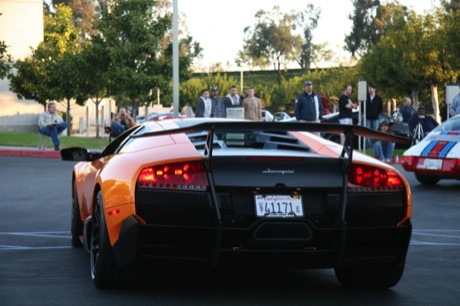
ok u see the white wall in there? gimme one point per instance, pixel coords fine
(21, 27)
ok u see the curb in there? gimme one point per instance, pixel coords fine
(30, 153)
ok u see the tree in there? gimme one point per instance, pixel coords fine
(271, 40)
(5, 59)
(48, 73)
(133, 33)
(451, 5)
(451, 28)
(91, 78)
(413, 57)
(366, 31)
(310, 52)
(61, 44)
(30, 80)
(84, 14)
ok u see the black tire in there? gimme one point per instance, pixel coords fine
(76, 225)
(427, 179)
(104, 271)
(373, 277)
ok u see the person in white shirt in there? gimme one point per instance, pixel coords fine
(51, 124)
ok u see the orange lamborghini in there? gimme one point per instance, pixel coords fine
(211, 192)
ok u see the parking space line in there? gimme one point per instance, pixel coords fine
(16, 248)
(39, 234)
(414, 242)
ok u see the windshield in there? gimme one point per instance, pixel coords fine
(449, 125)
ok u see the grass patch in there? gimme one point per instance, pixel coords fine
(31, 140)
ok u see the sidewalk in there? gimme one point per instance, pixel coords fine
(28, 152)
(46, 153)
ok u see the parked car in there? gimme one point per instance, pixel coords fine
(266, 115)
(219, 192)
(157, 117)
(437, 156)
(281, 116)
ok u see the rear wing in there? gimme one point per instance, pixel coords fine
(212, 127)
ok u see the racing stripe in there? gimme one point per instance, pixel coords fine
(449, 133)
(428, 148)
(447, 148)
(438, 148)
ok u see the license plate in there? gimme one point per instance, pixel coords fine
(281, 206)
(433, 164)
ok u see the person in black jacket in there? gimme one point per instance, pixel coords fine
(420, 124)
(374, 107)
(308, 105)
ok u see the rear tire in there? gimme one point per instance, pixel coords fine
(104, 271)
(427, 179)
(372, 277)
(76, 225)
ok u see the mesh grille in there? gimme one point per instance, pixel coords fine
(238, 209)
(375, 209)
(174, 208)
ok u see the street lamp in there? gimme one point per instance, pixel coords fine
(362, 96)
(175, 59)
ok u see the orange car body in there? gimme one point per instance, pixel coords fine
(114, 174)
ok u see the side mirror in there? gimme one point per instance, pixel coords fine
(79, 154)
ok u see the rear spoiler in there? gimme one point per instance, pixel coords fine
(348, 130)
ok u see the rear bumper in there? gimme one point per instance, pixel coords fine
(450, 168)
(264, 243)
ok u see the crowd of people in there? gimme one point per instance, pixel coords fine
(308, 107)
(212, 105)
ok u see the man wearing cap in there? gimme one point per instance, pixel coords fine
(217, 103)
(426, 122)
(308, 105)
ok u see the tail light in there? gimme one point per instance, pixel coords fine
(457, 164)
(182, 176)
(368, 178)
(408, 161)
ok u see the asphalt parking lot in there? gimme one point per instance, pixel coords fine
(39, 267)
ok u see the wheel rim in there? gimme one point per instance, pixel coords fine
(95, 237)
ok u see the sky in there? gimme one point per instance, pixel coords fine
(218, 25)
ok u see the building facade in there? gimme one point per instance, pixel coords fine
(22, 29)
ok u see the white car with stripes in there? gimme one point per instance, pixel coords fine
(437, 156)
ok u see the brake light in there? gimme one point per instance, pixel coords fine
(373, 179)
(408, 160)
(184, 175)
(457, 164)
